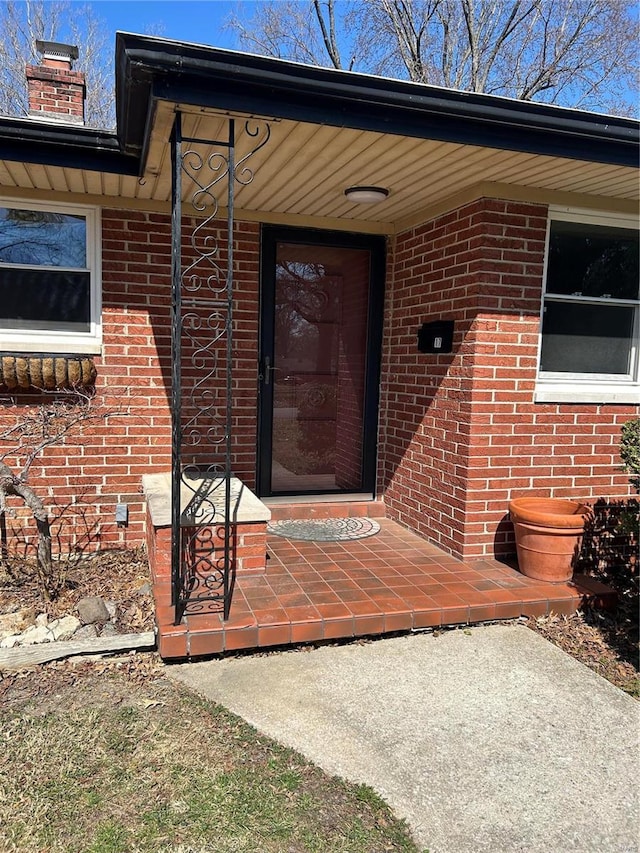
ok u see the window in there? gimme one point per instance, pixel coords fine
(591, 310)
(49, 278)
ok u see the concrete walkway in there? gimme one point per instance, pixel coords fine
(485, 739)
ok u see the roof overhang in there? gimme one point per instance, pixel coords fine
(45, 143)
(152, 69)
(432, 147)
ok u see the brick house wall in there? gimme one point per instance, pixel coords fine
(56, 92)
(459, 434)
(82, 480)
(462, 433)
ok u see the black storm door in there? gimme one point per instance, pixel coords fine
(322, 295)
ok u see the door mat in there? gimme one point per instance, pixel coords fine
(324, 529)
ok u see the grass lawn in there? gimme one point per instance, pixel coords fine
(99, 758)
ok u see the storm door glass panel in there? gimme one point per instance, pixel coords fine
(319, 361)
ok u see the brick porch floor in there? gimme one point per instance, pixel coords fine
(394, 581)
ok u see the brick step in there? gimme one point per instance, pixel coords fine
(326, 509)
(595, 594)
(325, 591)
(208, 635)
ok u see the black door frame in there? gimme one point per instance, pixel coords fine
(271, 236)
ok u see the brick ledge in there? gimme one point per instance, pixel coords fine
(202, 501)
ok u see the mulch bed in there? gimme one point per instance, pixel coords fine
(119, 575)
(608, 643)
(82, 677)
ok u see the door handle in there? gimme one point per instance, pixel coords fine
(267, 369)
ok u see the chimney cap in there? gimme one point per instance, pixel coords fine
(57, 50)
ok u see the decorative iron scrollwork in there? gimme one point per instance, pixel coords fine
(253, 129)
(202, 354)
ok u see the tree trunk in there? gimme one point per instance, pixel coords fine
(12, 485)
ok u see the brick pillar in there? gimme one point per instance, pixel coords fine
(56, 93)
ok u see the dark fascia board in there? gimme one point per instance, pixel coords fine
(31, 141)
(148, 69)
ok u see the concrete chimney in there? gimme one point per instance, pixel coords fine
(56, 92)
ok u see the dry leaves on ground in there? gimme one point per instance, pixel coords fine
(121, 576)
(603, 642)
(83, 677)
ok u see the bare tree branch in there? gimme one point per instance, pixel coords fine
(21, 23)
(12, 485)
(328, 31)
(572, 52)
(44, 425)
(49, 423)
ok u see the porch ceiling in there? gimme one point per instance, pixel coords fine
(303, 170)
(432, 148)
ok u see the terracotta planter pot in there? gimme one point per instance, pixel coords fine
(548, 536)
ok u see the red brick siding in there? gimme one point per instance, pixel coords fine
(426, 399)
(56, 93)
(91, 472)
(460, 434)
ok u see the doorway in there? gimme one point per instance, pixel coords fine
(321, 331)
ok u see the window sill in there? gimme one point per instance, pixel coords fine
(593, 393)
(31, 346)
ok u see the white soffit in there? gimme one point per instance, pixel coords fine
(302, 171)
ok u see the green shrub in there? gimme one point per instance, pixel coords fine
(630, 451)
(630, 454)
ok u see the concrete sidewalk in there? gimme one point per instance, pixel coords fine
(487, 739)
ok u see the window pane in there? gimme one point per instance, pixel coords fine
(593, 260)
(44, 300)
(586, 338)
(37, 237)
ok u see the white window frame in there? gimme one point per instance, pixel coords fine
(48, 340)
(554, 387)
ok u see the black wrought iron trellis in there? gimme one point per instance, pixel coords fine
(202, 559)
